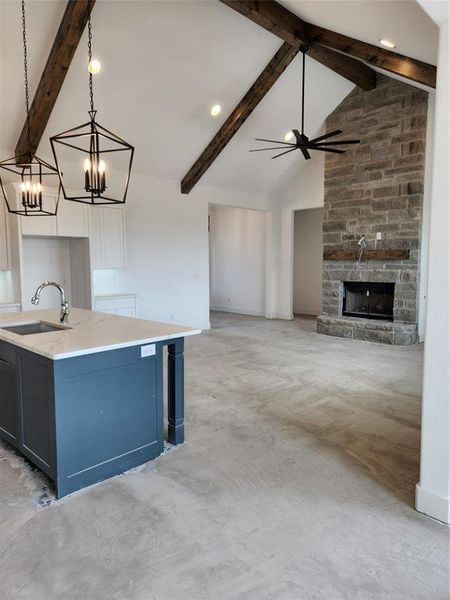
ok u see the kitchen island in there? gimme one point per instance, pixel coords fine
(83, 400)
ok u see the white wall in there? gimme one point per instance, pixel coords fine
(238, 260)
(433, 491)
(426, 213)
(167, 263)
(302, 188)
(308, 260)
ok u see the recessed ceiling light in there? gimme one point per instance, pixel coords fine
(94, 66)
(288, 137)
(387, 43)
(215, 110)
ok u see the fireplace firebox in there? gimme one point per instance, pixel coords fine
(368, 300)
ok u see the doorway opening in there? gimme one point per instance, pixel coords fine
(237, 260)
(307, 262)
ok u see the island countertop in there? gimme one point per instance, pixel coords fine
(86, 332)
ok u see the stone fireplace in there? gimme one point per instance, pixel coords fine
(375, 189)
(366, 300)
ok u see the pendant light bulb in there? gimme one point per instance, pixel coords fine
(87, 165)
(101, 167)
(94, 66)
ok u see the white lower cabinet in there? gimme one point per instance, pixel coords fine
(107, 237)
(123, 305)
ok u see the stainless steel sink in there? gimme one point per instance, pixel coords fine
(31, 328)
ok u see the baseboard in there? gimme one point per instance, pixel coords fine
(309, 312)
(238, 311)
(432, 504)
(282, 316)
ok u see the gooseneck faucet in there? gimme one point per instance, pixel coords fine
(65, 310)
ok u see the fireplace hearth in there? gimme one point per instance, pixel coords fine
(369, 300)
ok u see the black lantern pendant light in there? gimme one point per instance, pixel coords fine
(31, 172)
(97, 162)
(302, 142)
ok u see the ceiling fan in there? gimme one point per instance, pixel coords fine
(302, 142)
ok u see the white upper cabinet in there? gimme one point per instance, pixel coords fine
(43, 225)
(72, 219)
(4, 238)
(107, 237)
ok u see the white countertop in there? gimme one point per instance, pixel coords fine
(87, 332)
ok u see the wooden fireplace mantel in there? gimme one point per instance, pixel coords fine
(368, 254)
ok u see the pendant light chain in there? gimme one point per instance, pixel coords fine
(91, 87)
(95, 143)
(25, 70)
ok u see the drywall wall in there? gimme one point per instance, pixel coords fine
(237, 243)
(302, 188)
(167, 262)
(308, 261)
(433, 491)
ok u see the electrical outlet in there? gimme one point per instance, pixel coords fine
(149, 350)
(378, 235)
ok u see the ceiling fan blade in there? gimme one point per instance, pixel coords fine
(305, 152)
(273, 141)
(273, 148)
(326, 149)
(286, 152)
(338, 142)
(298, 136)
(327, 135)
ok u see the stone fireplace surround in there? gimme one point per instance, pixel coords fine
(376, 187)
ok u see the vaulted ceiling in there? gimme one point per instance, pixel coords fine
(165, 63)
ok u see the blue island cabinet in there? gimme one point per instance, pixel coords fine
(87, 418)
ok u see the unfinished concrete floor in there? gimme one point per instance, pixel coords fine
(296, 483)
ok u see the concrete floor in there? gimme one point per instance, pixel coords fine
(296, 483)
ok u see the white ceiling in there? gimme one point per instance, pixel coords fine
(401, 21)
(165, 63)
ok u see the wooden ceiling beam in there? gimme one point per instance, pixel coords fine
(411, 68)
(66, 41)
(243, 110)
(292, 29)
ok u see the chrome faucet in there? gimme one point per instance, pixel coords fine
(65, 310)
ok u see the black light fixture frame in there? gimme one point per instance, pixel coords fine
(94, 135)
(302, 142)
(29, 167)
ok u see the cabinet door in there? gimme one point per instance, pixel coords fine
(107, 238)
(72, 219)
(95, 238)
(113, 238)
(4, 241)
(37, 439)
(9, 403)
